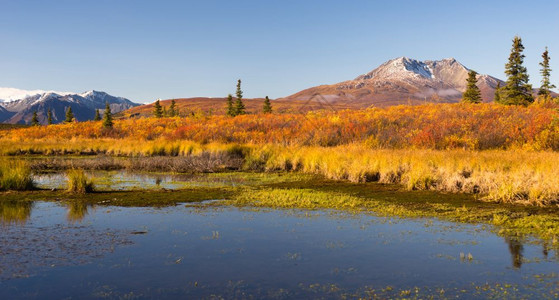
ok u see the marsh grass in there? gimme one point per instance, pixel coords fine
(505, 176)
(78, 182)
(511, 176)
(15, 175)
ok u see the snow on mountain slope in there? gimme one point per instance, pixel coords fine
(403, 81)
(12, 94)
(20, 110)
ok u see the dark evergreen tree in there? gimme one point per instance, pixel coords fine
(239, 106)
(35, 119)
(517, 90)
(165, 114)
(472, 93)
(157, 109)
(267, 108)
(545, 89)
(173, 109)
(49, 116)
(230, 108)
(97, 116)
(497, 98)
(69, 115)
(107, 116)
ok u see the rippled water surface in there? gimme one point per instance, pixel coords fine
(52, 250)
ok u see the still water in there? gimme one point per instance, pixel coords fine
(53, 250)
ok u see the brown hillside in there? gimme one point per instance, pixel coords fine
(218, 106)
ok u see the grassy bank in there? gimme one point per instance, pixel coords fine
(15, 175)
(500, 176)
(510, 176)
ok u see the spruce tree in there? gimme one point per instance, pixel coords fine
(267, 108)
(472, 93)
(35, 119)
(517, 90)
(69, 115)
(239, 106)
(497, 98)
(49, 116)
(545, 89)
(157, 109)
(97, 116)
(230, 109)
(107, 116)
(173, 109)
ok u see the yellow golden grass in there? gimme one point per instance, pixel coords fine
(15, 175)
(78, 182)
(512, 176)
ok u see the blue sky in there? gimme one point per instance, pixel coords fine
(145, 50)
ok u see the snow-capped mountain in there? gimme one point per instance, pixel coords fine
(403, 80)
(20, 110)
(12, 94)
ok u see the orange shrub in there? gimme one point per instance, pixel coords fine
(433, 126)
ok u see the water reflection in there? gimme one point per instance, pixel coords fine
(15, 212)
(77, 210)
(301, 254)
(516, 249)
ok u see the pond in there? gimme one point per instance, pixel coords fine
(124, 180)
(53, 250)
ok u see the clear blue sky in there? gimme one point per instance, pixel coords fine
(145, 50)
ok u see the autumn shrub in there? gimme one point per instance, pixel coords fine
(433, 126)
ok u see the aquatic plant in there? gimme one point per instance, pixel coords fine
(78, 182)
(15, 175)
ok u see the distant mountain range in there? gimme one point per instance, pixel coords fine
(17, 106)
(400, 81)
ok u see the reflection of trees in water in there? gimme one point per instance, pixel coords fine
(15, 212)
(516, 249)
(77, 210)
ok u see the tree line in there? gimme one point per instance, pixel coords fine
(517, 90)
(233, 108)
(69, 117)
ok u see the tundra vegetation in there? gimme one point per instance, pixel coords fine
(501, 153)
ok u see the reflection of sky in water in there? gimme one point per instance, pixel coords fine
(123, 180)
(196, 252)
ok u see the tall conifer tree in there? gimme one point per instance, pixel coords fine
(497, 97)
(472, 93)
(49, 117)
(173, 109)
(239, 105)
(267, 108)
(517, 90)
(97, 115)
(107, 116)
(157, 109)
(35, 119)
(545, 89)
(230, 108)
(69, 115)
